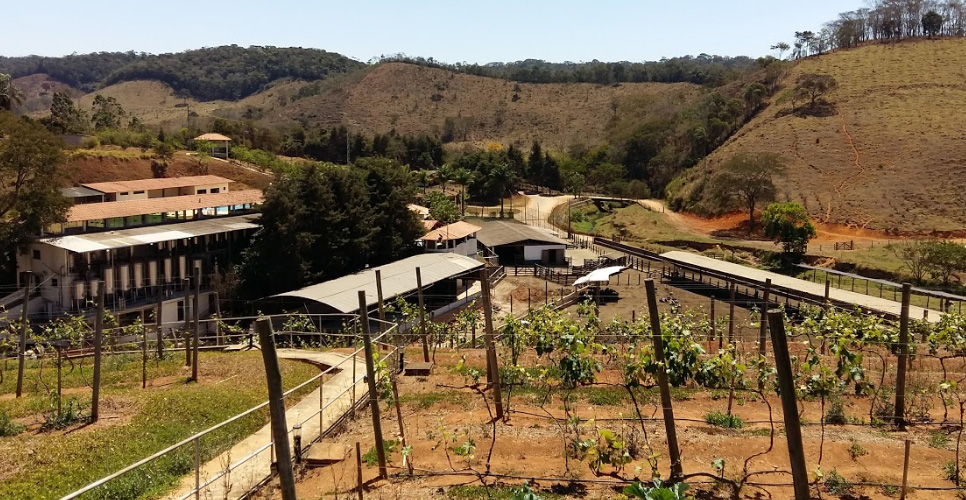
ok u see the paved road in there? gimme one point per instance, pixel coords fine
(250, 473)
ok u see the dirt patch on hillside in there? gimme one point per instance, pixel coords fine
(133, 166)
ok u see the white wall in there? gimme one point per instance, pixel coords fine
(535, 252)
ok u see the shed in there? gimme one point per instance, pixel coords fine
(440, 272)
(458, 237)
(515, 243)
(219, 148)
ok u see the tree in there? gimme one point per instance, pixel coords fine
(501, 181)
(812, 86)
(30, 182)
(943, 259)
(788, 224)
(748, 179)
(781, 47)
(397, 228)
(10, 95)
(65, 117)
(107, 113)
(913, 257)
(932, 23)
(441, 208)
(463, 177)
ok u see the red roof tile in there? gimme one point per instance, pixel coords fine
(92, 211)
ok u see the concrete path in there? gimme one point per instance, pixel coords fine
(244, 476)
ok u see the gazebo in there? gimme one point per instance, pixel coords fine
(219, 144)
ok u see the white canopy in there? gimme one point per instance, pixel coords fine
(601, 275)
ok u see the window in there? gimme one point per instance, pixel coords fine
(139, 192)
(180, 310)
(202, 191)
(123, 194)
(53, 282)
(36, 254)
(215, 190)
(115, 222)
(95, 224)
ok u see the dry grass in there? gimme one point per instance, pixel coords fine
(891, 157)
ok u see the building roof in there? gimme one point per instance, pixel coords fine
(419, 210)
(150, 234)
(211, 136)
(801, 287)
(498, 233)
(80, 192)
(601, 275)
(429, 224)
(93, 211)
(452, 231)
(151, 184)
(398, 278)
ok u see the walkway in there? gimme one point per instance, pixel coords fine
(245, 476)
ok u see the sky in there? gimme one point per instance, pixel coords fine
(449, 31)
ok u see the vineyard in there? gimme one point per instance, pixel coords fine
(581, 413)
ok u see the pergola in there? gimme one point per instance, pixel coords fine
(219, 143)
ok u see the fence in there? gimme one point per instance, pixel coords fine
(259, 461)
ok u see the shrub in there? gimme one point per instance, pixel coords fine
(939, 439)
(836, 413)
(951, 471)
(836, 484)
(7, 426)
(721, 419)
(856, 450)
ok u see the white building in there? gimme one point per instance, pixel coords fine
(458, 237)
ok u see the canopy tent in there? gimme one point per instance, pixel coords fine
(601, 275)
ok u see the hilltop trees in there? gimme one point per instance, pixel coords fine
(30, 182)
(747, 179)
(65, 117)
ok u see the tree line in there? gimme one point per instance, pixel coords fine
(228, 72)
(702, 69)
(881, 20)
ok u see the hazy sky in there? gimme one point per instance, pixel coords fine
(450, 31)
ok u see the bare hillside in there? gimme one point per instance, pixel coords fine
(893, 157)
(38, 90)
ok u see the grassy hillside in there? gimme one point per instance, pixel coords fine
(417, 99)
(893, 157)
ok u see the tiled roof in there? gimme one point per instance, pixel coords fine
(211, 136)
(163, 183)
(91, 211)
(452, 231)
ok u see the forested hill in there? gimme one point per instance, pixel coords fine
(220, 73)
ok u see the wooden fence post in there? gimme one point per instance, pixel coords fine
(711, 334)
(196, 337)
(900, 414)
(493, 367)
(276, 405)
(159, 323)
(359, 470)
(144, 350)
(786, 382)
(763, 323)
(422, 315)
(905, 471)
(731, 315)
(98, 340)
(185, 336)
(371, 376)
(22, 348)
(218, 339)
(672, 438)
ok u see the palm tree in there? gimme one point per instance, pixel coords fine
(9, 94)
(501, 180)
(445, 174)
(463, 177)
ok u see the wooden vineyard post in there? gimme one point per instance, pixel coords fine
(187, 321)
(422, 315)
(731, 315)
(786, 383)
(900, 415)
(402, 428)
(276, 406)
(22, 347)
(382, 309)
(196, 337)
(669, 428)
(218, 340)
(711, 332)
(905, 471)
(763, 324)
(144, 351)
(828, 284)
(371, 377)
(159, 324)
(492, 365)
(359, 469)
(98, 339)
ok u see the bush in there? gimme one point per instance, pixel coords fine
(836, 413)
(836, 484)
(721, 419)
(7, 426)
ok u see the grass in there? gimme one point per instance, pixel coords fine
(721, 419)
(605, 396)
(426, 400)
(473, 492)
(856, 450)
(371, 457)
(836, 484)
(939, 440)
(136, 423)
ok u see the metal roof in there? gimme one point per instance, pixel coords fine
(150, 234)
(92, 211)
(922, 291)
(601, 275)
(398, 278)
(161, 183)
(817, 290)
(498, 233)
(452, 231)
(79, 192)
